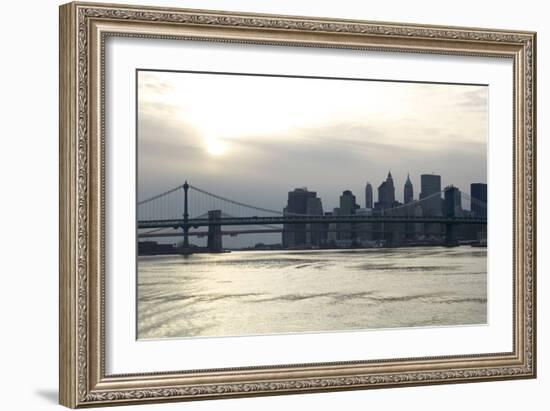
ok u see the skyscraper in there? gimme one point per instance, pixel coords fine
(294, 235)
(431, 202)
(386, 193)
(408, 191)
(348, 205)
(458, 202)
(478, 193)
(430, 185)
(368, 196)
(452, 196)
(314, 232)
(452, 201)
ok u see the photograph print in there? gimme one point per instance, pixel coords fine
(271, 204)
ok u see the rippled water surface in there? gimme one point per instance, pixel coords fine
(261, 292)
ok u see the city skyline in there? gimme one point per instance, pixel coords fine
(257, 137)
(410, 193)
(439, 205)
(310, 142)
(433, 201)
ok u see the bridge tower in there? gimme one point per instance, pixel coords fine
(185, 218)
(451, 195)
(214, 243)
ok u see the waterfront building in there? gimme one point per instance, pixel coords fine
(430, 185)
(478, 206)
(450, 206)
(452, 202)
(459, 212)
(294, 235)
(368, 196)
(314, 232)
(409, 209)
(408, 191)
(386, 193)
(478, 193)
(348, 205)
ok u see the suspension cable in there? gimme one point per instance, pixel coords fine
(267, 210)
(159, 195)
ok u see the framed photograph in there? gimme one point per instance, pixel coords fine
(260, 204)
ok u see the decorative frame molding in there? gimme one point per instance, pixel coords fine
(83, 30)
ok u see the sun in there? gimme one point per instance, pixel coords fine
(215, 147)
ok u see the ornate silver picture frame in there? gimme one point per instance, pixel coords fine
(85, 30)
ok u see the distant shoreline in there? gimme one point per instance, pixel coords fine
(229, 250)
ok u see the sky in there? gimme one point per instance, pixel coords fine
(254, 138)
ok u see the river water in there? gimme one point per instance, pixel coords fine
(265, 292)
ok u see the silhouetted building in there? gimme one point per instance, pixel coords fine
(478, 207)
(478, 193)
(368, 196)
(431, 203)
(458, 203)
(408, 191)
(314, 232)
(294, 235)
(411, 208)
(450, 206)
(386, 193)
(430, 185)
(348, 205)
(452, 202)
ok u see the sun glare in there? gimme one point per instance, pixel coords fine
(215, 147)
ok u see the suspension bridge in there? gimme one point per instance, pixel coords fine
(186, 208)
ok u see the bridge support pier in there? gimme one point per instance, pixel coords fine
(186, 249)
(214, 232)
(186, 237)
(450, 236)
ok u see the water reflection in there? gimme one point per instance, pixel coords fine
(264, 292)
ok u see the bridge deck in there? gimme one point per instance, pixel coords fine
(240, 221)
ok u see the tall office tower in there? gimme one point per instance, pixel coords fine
(408, 198)
(348, 205)
(451, 202)
(430, 187)
(368, 196)
(458, 201)
(478, 192)
(449, 210)
(314, 231)
(431, 203)
(408, 191)
(386, 193)
(294, 235)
